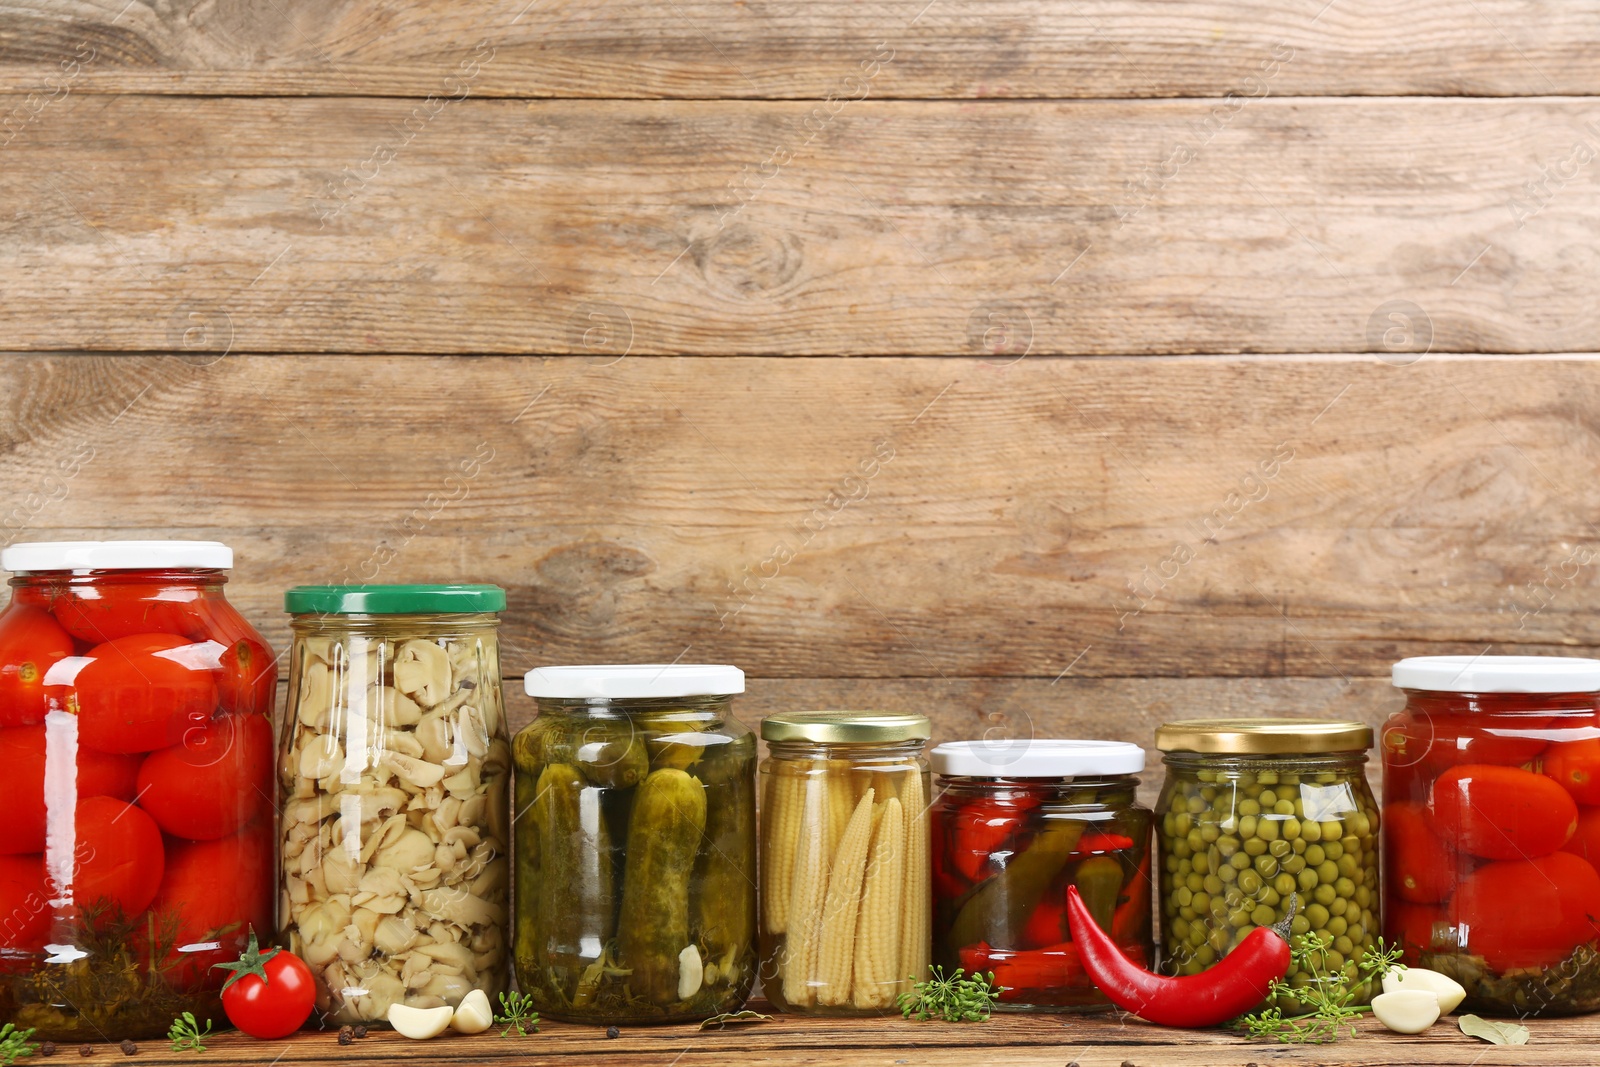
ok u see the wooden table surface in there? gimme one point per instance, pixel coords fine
(1058, 1040)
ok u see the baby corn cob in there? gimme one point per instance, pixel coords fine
(878, 927)
(810, 883)
(841, 799)
(918, 922)
(836, 954)
(782, 809)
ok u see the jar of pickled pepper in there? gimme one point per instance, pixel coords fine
(395, 771)
(844, 860)
(136, 803)
(1257, 816)
(1492, 828)
(635, 844)
(1015, 825)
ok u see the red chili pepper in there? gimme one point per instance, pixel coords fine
(1089, 844)
(981, 827)
(1229, 989)
(1047, 925)
(1053, 967)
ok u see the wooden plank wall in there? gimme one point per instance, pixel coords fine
(1049, 367)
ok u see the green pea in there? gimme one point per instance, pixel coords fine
(1180, 929)
(1171, 863)
(1339, 906)
(1255, 847)
(1316, 855)
(1327, 777)
(1337, 926)
(1309, 830)
(1247, 825)
(1246, 780)
(1279, 848)
(1348, 866)
(1197, 934)
(1234, 897)
(1267, 777)
(1284, 807)
(1250, 882)
(1306, 880)
(1290, 828)
(1205, 955)
(1317, 916)
(1189, 913)
(1184, 896)
(1208, 793)
(1299, 925)
(1227, 846)
(1343, 946)
(1196, 804)
(1239, 861)
(1285, 883)
(1201, 862)
(1213, 884)
(1328, 871)
(1209, 833)
(1344, 887)
(1190, 967)
(1360, 825)
(1267, 830)
(1206, 775)
(1249, 808)
(1195, 842)
(1239, 917)
(1332, 830)
(1324, 894)
(1363, 897)
(1269, 896)
(1218, 940)
(1294, 864)
(1181, 849)
(1267, 798)
(1228, 872)
(1182, 824)
(1263, 915)
(1334, 960)
(1200, 901)
(1332, 849)
(1266, 866)
(1195, 882)
(1240, 934)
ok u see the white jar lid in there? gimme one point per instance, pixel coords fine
(116, 556)
(1498, 674)
(634, 681)
(1033, 757)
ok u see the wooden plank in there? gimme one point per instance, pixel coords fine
(1091, 1041)
(771, 48)
(205, 225)
(874, 518)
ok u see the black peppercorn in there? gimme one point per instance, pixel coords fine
(361, 1031)
(347, 1034)
(47, 1049)
(86, 1050)
(612, 1031)
(128, 1047)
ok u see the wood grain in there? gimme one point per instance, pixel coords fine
(778, 48)
(873, 518)
(1091, 1041)
(205, 224)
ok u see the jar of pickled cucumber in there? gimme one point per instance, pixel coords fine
(1258, 817)
(394, 770)
(1015, 825)
(1491, 793)
(844, 860)
(635, 844)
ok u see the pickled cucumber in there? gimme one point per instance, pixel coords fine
(724, 910)
(612, 755)
(576, 901)
(664, 836)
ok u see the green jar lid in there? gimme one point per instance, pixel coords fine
(393, 599)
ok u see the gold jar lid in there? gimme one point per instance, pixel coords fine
(846, 727)
(1263, 737)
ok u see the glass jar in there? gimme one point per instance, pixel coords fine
(1256, 816)
(1492, 828)
(844, 860)
(394, 766)
(636, 844)
(137, 798)
(1015, 824)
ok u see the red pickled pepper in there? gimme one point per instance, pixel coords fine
(1233, 986)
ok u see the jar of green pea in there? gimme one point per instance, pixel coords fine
(1263, 820)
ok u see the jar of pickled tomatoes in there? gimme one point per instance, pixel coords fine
(1015, 825)
(1492, 828)
(137, 787)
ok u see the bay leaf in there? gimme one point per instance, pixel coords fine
(1496, 1033)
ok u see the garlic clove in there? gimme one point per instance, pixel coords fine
(691, 972)
(1406, 1011)
(1447, 989)
(473, 1015)
(419, 1023)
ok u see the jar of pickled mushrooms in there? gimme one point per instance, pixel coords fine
(395, 767)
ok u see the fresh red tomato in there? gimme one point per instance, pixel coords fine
(1501, 813)
(1416, 928)
(1586, 838)
(205, 787)
(22, 800)
(1576, 765)
(120, 860)
(24, 908)
(214, 893)
(30, 643)
(1528, 913)
(982, 827)
(270, 993)
(145, 692)
(1421, 868)
(107, 611)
